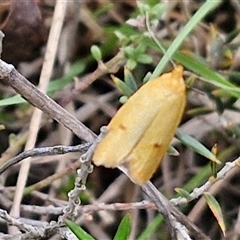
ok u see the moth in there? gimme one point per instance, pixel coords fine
(142, 129)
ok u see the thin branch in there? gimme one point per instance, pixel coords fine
(45, 151)
(197, 192)
(154, 195)
(161, 201)
(70, 211)
(111, 66)
(16, 222)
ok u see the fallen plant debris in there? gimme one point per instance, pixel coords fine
(129, 39)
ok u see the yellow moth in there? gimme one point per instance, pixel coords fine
(142, 129)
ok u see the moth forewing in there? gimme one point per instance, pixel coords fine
(142, 129)
(149, 150)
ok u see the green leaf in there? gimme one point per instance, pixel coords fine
(214, 169)
(130, 80)
(130, 51)
(131, 64)
(144, 58)
(96, 52)
(157, 10)
(143, 7)
(147, 77)
(123, 229)
(196, 146)
(123, 99)
(78, 231)
(12, 100)
(172, 151)
(187, 59)
(216, 210)
(182, 192)
(127, 91)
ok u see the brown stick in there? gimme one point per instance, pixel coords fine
(160, 201)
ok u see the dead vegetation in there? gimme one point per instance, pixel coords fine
(59, 61)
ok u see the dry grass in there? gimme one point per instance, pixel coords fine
(36, 191)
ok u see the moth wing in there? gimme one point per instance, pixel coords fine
(147, 154)
(133, 119)
(124, 130)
